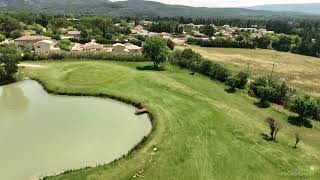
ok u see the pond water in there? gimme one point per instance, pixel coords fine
(43, 134)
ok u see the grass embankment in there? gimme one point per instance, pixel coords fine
(299, 71)
(201, 131)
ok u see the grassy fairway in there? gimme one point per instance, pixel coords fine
(201, 131)
(300, 71)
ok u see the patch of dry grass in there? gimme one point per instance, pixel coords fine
(299, 71)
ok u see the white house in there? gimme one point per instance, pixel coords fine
(45, 46)
(127, 48)
(74, 34)
(93, 46)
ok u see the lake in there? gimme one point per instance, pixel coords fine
(43, 134)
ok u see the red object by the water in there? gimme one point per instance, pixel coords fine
(141, 110)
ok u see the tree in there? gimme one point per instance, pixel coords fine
(155, 48)
(207, 30)
(274, 127)
(9, 25)
(282, 43)
(9, 58)
(263, 42)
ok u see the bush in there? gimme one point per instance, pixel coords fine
(238, 81)
(305, 106)
(65, 45)
(269, 90)
(218, 72)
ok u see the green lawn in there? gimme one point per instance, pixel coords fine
(200, 131)
(299, 71)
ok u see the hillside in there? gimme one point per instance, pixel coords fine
(131, 8)
(200, 130)
(313, 8)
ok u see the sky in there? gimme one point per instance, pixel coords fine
(232, 3)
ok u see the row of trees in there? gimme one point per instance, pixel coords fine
(279, 42)
(196, 63)
(166, 26)
(264, 88)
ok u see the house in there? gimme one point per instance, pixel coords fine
(179, 42)
(45, 46)
(145, 23)
(153, 34)
(93, 46)
(77, 47)
(136, 30)
(74, 34)
(119, 48)
(24, 40)
(127, 48)
(133, 49)
(198, 34)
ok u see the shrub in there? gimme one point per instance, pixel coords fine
(204, 67)
(238, 80)
(65, 45)
(305, 106)
(270, 90)
(218, 72)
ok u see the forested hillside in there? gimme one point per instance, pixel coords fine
(313, 8)
(131, 8)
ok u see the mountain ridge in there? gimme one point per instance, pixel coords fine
(132, 8)
(310, 8)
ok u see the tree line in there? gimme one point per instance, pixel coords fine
(264, 88)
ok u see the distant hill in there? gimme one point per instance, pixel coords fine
(313, 8)
(131, 8)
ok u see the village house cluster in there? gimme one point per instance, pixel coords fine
(43, 44)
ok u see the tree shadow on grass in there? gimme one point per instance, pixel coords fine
(295, 120)
(264, 104)
(230, 90)
(265, 137)
(149, 68)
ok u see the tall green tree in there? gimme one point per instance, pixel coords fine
(207, 30)
(9, 58)
(155, 48)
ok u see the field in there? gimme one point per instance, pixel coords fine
(299, 71)
(200, 130)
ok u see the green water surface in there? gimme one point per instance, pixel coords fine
(43, 134)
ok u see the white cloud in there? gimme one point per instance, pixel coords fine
(232, 3)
